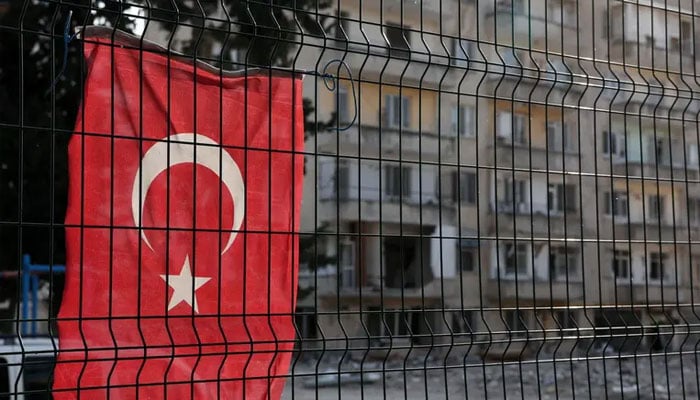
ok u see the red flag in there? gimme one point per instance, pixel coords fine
(181, 263)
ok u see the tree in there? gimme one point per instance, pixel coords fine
(36, 124)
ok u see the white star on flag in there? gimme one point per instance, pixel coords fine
(183, 288)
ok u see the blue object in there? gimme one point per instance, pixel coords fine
(30, 289)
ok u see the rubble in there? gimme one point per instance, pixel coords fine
(640, 376)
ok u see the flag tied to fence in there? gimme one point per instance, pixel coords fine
(181, 263)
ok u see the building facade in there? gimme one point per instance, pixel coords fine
(503, 172)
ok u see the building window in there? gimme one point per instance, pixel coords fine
(616, 204)
(687, 33)
(305, 320)
(512, 61)
(464, 189)
(657, 151)
(517, 7)
(343, 104)
(613, 144)
(694, 210)
(340, 28)
(462, 122)
(467, 258)
(511, 127)
(563, 263)
(657, 266)
(621, 264)
(561, 198)
(564, 319)
(693, 155)
(397, 182)
(342, 180)
(512, 195)
(462, 51)
(399, 38)
(515, 322)
(346, 261)
(515, 259)
(558, 137)
(463, 321)
(655, 207)
(397, 111)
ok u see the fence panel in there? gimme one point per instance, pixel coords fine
(349, 199)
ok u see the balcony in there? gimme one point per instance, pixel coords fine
(648, 55)
(529, 25)
(515, 155)
(536, 219)
(651, 294)
(374, 61)
(371, 141)
(545, 292)
(648, 168)
(406, 212)
(374, 296)
(651, 229)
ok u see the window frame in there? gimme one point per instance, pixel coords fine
(521, 256)
(404, 189)
(618, 257)
(398, 38)
(397, 111)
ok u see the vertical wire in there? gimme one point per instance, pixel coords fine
(612, 174)
(438, 128)
(494, 244)
(295, 234)
(52, 200)
(697, 212)
(685, 219)
(600, 310)
(246, 150)
(380, 225)
(584, 232)
(470, 328)
(220, 202)
(81, 244)
(21, 323)
(496, 124)
(637, 61)
(141, 190)
(278, 28)
(547, 174)
(168, 128)
(195, 231)
(339, 161)
(673, 181)
(362, 276)
(646, 203)
(111, 206)
(315, 218)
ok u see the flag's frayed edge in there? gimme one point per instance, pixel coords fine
(124, 39)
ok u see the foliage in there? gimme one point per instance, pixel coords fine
(36, 124)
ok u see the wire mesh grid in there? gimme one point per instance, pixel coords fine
(349, 199)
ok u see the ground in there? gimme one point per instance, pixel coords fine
(656, 376)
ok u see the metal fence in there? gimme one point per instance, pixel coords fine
(389, 199)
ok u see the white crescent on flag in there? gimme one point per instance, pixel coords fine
(182, 151)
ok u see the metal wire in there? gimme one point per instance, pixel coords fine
(499, 199)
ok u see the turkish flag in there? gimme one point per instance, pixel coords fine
(185, 190)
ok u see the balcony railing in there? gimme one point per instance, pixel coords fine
(539, 290)
(525, 208)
